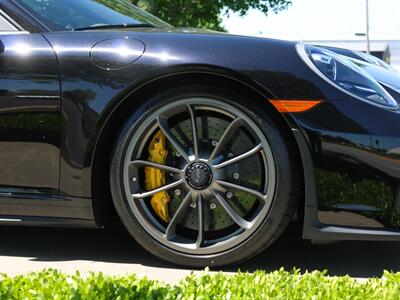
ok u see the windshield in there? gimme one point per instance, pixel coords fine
(73, 14)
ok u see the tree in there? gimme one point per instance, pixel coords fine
(205, 13)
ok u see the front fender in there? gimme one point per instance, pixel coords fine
(90, 93)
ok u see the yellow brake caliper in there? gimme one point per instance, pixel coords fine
(155, 178)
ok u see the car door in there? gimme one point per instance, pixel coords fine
(29, 112)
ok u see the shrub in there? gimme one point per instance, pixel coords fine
(51, 284)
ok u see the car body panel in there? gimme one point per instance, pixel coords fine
(349, 148)
(356, 163)
(30, 114)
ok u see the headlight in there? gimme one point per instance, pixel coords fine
(346, 75)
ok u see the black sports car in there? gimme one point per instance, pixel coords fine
(205, 145)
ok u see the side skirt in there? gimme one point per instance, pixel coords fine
(46, 222)
(312, 228)
(45, 210)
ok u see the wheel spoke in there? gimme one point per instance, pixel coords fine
(237, 187)
(169, 233)
(200, 235)
(158, 190)
(237, 123)
(143, 163)
(240, 157)
(194, 132)
(162, 123)
(231, 212)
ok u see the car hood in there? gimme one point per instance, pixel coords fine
(380, 74)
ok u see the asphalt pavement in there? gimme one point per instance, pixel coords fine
(114, 252)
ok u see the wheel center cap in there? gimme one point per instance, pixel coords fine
(199, 175)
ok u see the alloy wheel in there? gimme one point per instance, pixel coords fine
(217, 179)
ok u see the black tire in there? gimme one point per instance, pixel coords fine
(288, 183)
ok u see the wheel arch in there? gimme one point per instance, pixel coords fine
(103, 144)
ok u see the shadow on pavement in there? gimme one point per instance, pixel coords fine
(357, 259)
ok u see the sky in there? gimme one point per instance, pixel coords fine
(313, 19)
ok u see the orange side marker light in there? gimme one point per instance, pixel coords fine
(294, 106)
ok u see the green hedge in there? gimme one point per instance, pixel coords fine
(280, 284)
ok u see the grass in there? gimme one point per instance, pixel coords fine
(51, 284)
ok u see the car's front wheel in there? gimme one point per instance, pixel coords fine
(203, 176)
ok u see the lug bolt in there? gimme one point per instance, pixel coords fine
(229, 195)
(230, 155)
(134, 179)
(236, 175)
(177, 192)
(214, 143)
(193, 205)
(213, 206)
